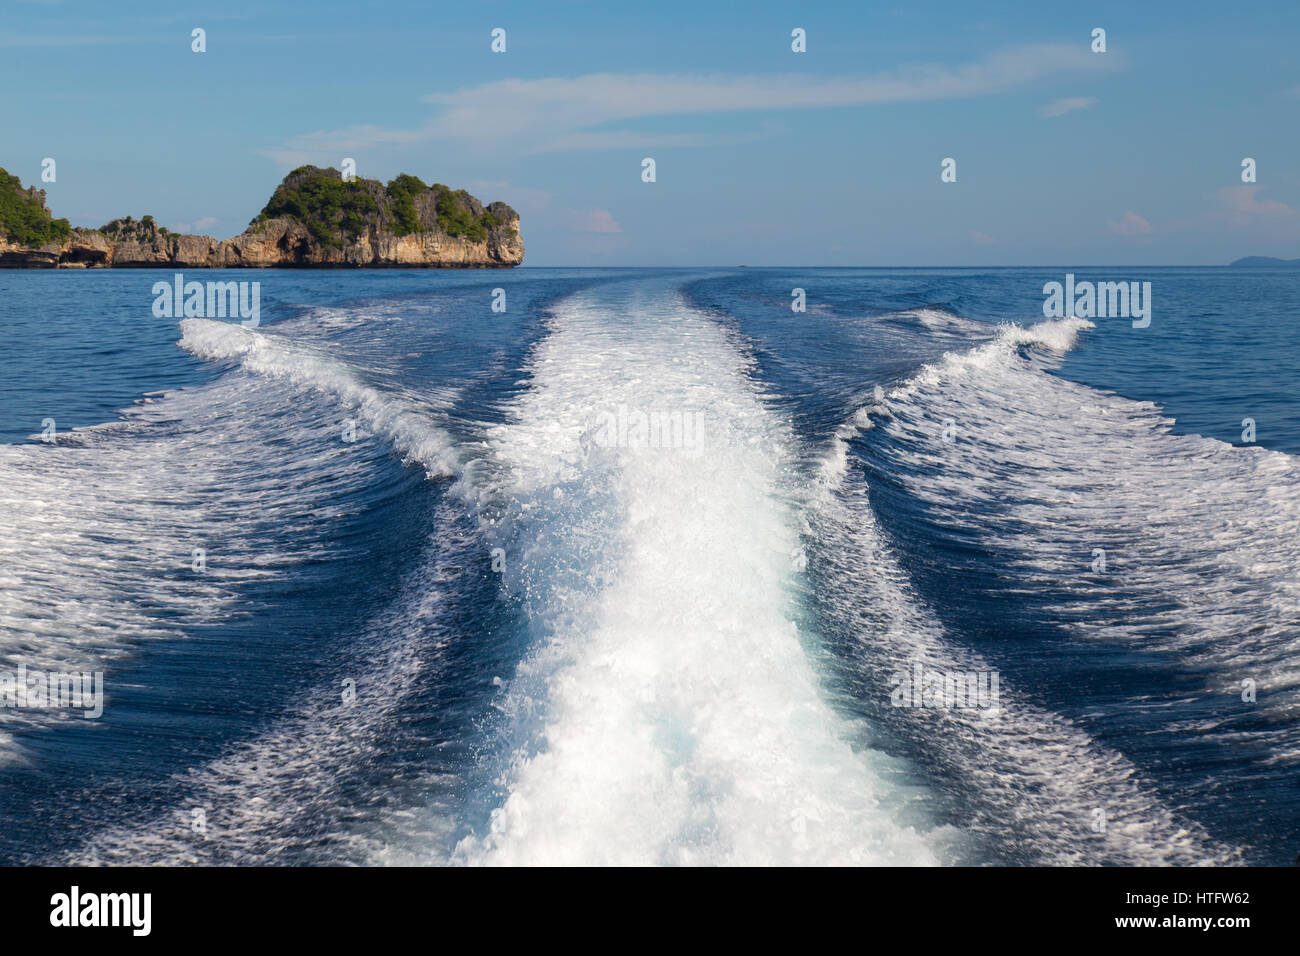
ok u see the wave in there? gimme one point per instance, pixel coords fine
(1199, 540)
(1028, 785)
(98, 534)
(669, 712)
(936, 319)
(98, 530)
(404, 421)
(289, 795)
(1003, 353)
(672, 706)
(257, 460)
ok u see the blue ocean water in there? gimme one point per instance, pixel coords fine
(454, 605)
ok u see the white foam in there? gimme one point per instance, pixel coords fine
(1033, 782)
(1057, 336)
(257, 796)
(1202, 539)
(670, 713)
(940, 321)
(97, 530)
(403, 420)
(1050, 771)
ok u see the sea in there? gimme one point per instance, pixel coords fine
(651, 566)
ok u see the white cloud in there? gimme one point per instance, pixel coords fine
(70, 39)
(627, 139)
(594, 220)
(1131, 225)
(1244, 207)
(981, 238)
(199, 227)
(537, 115)
(520, 198)
(1067, 105)
(329, 146)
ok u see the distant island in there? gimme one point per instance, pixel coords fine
(1258, 261)
(314, 219)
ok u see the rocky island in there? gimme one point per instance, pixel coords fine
(314, 219)
(1263, 262)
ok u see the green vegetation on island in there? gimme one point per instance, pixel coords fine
(23, 216)
(331, 208)
(313, 219)
(129, 230)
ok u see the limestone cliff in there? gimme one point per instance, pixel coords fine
(314, 219)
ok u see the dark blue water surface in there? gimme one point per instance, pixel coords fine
(354, 675)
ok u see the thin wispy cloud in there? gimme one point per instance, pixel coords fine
(1243, 206)
(595, 220)
(630, 139)
(20, 41)
(1130, 225)
(201, 226)
(328, 145)
(550, 114)
(1067, 105)
(524, 199)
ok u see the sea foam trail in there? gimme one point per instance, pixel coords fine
(669, 713)
(1201, 539)
(403, 420)
(288, 796)
(263, 794)
(98, 530)
(1033, 783)
(1025, 470)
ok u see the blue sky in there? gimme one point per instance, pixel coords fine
(764, 156)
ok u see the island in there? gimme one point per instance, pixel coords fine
(1259, 262)
(314, 219)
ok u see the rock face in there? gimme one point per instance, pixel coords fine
(313, 220)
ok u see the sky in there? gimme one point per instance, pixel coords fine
(763, 156)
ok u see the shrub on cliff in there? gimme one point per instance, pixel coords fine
(127, 229)
(23, 216)
(456, 216)
(401, 193)
(332, 209)
(325, 204)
